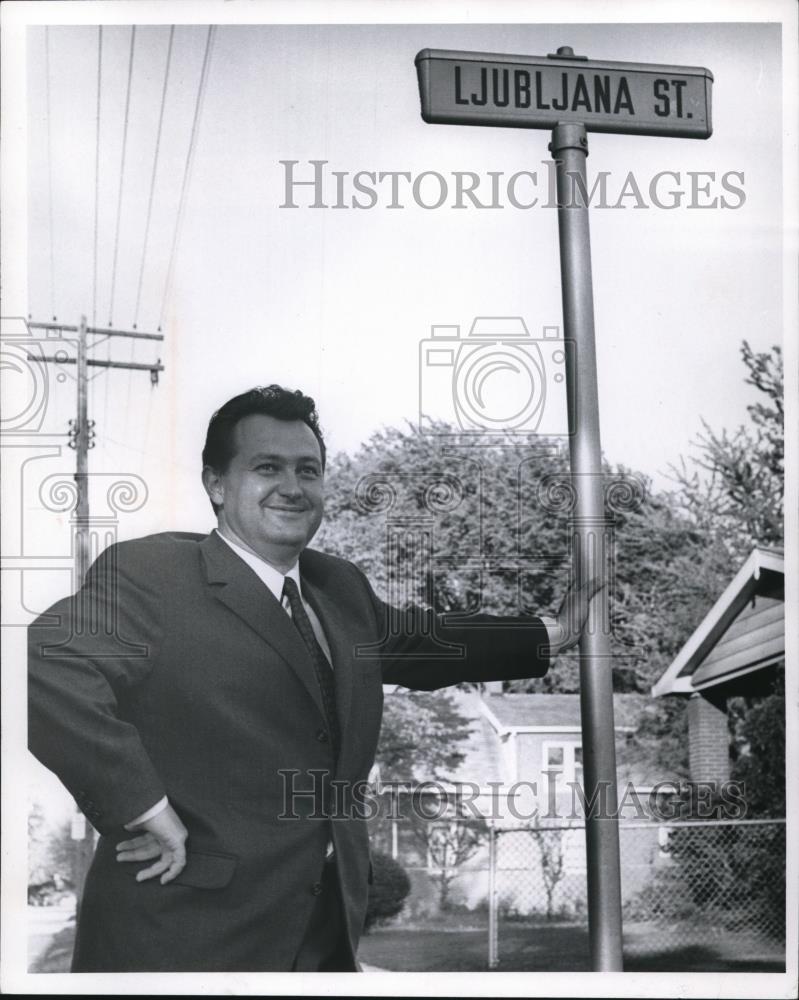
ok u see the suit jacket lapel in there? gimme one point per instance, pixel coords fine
(235, 585)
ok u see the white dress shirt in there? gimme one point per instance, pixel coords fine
(273, 579)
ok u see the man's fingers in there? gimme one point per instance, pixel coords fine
(157, 869)
(145, 840)
(170, 864)
(572, 615)
(177, 866)
(142, 848)
(144, 853)
(164, 839)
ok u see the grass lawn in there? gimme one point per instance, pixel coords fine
(522, 948)
(541, 948)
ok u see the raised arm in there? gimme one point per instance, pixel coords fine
(425, 651)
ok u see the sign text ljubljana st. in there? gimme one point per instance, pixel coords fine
(573, 95)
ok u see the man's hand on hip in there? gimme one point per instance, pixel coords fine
(163, 837)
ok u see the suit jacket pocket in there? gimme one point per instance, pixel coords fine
(207, 871)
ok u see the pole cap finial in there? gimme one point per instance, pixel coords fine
(566, 52)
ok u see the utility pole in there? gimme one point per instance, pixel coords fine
(81, 439)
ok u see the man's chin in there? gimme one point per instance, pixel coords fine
(288, 536)
(292, 539)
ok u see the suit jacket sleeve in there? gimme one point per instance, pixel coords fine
(84, 654)
(424, 651)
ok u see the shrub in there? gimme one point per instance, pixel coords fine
(390, 886)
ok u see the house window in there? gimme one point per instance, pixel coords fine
(564, 758)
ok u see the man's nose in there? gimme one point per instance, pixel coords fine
(290, 485)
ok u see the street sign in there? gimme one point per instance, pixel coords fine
(483, 88)
(572, 95)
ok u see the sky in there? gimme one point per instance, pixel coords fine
(337, 301)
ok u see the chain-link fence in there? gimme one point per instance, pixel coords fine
(718, 883)
(692, 891)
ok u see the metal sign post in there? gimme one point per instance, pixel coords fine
(571, 95)
(569, 149)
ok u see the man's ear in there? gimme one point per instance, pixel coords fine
(212, 482)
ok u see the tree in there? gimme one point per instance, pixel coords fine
(729, 498)
(450, 842)
(760, 762)
(499, 535)
(39, 861)
(50, 857)
(733, 488)
(472, 495)
(661, 736)
(499, 520)
(550, 853)
(421, 737)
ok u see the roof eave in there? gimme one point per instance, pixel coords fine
(677, 677)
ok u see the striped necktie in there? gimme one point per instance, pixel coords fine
(324, 672)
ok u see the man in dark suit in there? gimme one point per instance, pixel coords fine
(200, 694)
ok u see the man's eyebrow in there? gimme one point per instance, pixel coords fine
(264, 456)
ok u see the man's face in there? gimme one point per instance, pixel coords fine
(272, 491)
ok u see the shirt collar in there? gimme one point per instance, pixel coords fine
(266, 573)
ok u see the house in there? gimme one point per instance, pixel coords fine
(735, 651)
(521, 773)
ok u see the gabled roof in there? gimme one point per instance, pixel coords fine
(762, 575)
(484, 762)
(524, 710)
(538, 712)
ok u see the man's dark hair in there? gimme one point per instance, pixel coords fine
(271, 401)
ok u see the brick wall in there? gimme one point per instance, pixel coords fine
(708, 740)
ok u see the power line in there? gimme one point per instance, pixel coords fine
(153, 176)
(119, 209)
(97, 167)
(147, 223)
(186, 172)
(122, 174)
(49, 168)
